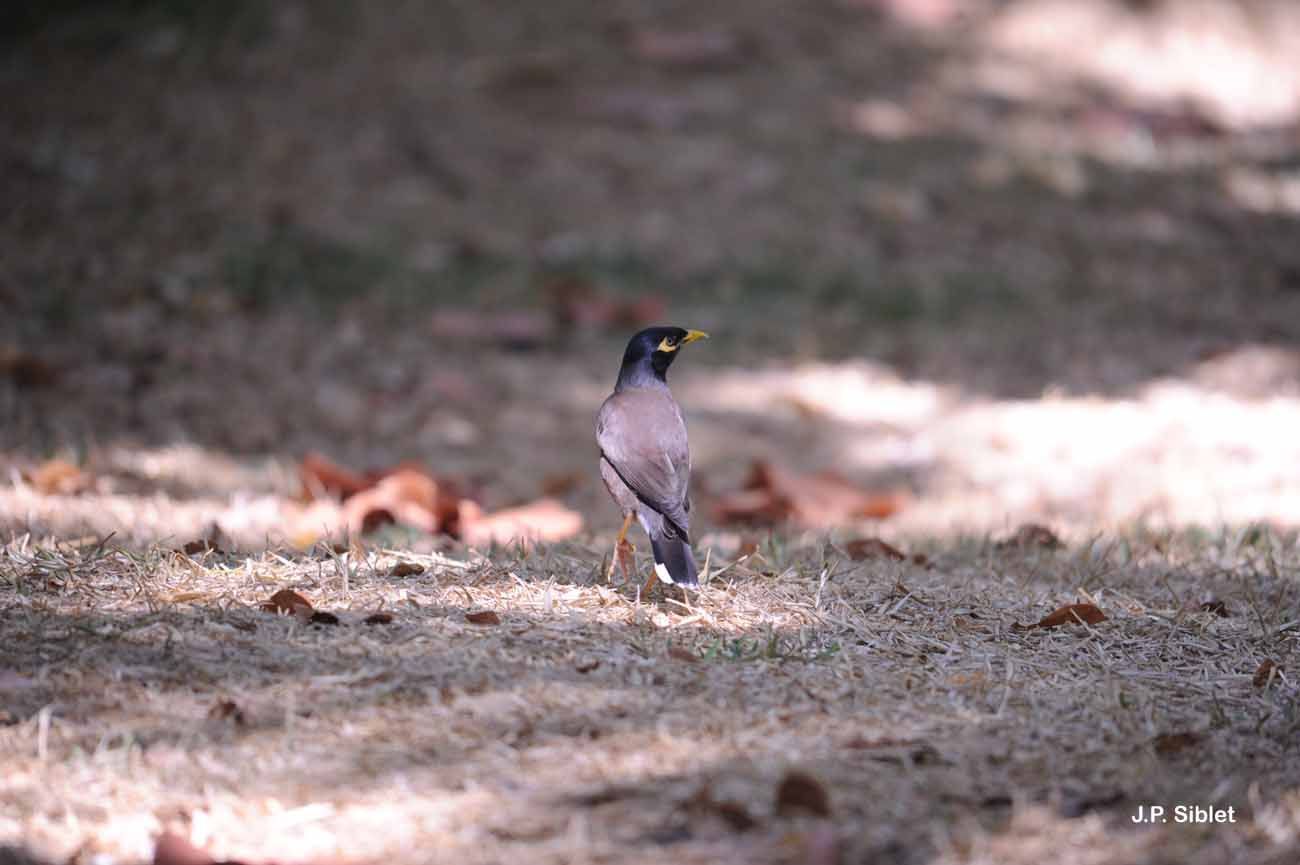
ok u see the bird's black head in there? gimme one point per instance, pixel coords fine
(650, 352)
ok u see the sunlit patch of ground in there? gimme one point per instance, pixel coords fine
(148, 691)
(1212, 447)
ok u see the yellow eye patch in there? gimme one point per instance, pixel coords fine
(667, 344)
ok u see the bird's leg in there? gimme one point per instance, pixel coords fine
(627, 561)
(621, 550)
(650, 583)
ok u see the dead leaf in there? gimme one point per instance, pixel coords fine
(209, 543)
(322, 478)
(24, 369)
(408, 495)
(587, 666)
(1172, 743)
(901, 752)
(320, 617)
(172, 849)
(800, 793)
(732, 813)
(483, 617)
(774, 495)
(405, 569)
(921, 559)
(1071, 614)
(538, 70)
(380, 618)
(752, 507)
(578, 302)
(748, 546)
(1214, 605)
(1031, 535)
(677, 653)
(542, 520)
(1265, 672)
(227, 710)
(59, 478)
(287, 601)
(872, 548)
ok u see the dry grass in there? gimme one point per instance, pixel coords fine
(590, 726)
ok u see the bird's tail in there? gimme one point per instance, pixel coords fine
(675, 562)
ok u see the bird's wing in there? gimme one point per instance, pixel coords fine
(643, 437)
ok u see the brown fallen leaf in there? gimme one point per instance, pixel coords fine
(408, 495)
(24, 369)
(587, 666)
(542, 520)
(199, 547)
(773, 495)
(748, 546)
(734, 814)
(209, 543)
(172, 849)
(323, 478)
(320, 617)
(406, 492)
(801, 793)
(1219, 608)
(872, 548)
(59, 478)
(380, 618)
(753, 507)
(1265, 672)
(578, 302)
(229, 710)
(1030, 535)
(903, 752)
(405, 569)
(528, 71)
(483, 617)
(287, 601)
(1172, 743)
(1071, 614)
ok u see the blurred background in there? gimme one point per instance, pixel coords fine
(966, 263)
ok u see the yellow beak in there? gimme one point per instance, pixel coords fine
(692, 335)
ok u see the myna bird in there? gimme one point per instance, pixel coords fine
(645, 459)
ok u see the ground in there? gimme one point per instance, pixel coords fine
(994, 275)
(585, 724)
